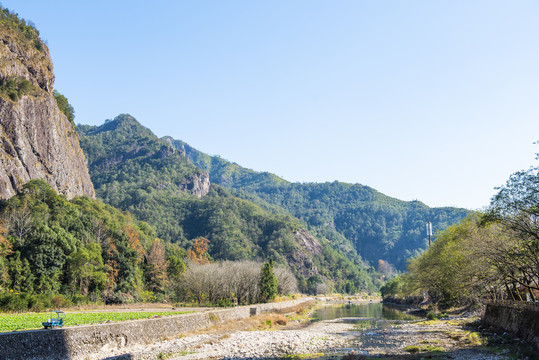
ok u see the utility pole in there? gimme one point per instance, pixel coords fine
(429, 230)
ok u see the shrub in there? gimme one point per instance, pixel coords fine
(38, 45)
(15, 87)
(14, 302)
(64, 106)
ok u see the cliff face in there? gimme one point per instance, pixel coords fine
(198, 184)
(37, 141)
(124, 151)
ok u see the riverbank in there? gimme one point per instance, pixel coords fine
(338, 340)
(455, 338)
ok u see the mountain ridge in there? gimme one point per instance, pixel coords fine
(134, 170)
(335, 208)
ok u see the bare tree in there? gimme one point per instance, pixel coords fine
(19, 222)
(229, 281)
(322, 289)
(286, 281)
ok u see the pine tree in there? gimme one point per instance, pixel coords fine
(268, 282)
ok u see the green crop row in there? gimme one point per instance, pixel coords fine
(28, 321)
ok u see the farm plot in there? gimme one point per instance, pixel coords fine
(29, 321)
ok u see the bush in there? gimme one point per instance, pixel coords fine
(64, 106)
(15, 87)
(38, 45)
(22, 302)
(225, 303)
(393, 288)
(148, 296)
(78, 299)
(432, 315)
(14, 302)
(119, 298)
(60, 301)
(35, 304)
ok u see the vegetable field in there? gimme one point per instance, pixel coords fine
(28, 321)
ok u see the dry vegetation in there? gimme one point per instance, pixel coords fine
(288, 318)
(230, 282)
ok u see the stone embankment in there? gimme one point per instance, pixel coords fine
(113, 339)
(519, 318)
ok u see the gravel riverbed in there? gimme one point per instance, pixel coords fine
(332, 339)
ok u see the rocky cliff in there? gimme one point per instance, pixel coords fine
(37, 141)
(123, 150)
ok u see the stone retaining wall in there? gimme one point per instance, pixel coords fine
(81, 342)
(523, 321)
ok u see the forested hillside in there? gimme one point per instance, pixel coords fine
(378, 227)
(82, 249)
(134, 170)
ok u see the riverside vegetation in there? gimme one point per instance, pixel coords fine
(492, 255)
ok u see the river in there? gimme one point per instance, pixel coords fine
(339, 331)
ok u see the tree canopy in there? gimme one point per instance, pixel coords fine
(491, 255)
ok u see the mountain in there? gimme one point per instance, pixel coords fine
(37, 140)
(377, 226)
(133, 170)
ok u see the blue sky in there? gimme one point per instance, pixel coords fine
(429, 100)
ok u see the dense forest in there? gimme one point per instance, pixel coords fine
(82, 249)
(55, 253)
(487, 256)
(377, 226)
(134, 170)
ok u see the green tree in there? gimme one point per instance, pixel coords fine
(46, 249)
(312, 283)
(86, 269)
(268, 282)
(516, 208)
(20, 274)
(64, 106)
(5, 250)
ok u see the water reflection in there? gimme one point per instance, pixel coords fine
(369, 311)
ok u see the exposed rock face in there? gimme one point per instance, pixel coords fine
(199, 184)
(37, 141)
(308, 248)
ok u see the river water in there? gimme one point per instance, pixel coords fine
(368, 316)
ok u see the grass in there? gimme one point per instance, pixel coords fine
(423, 348)
(428, 322)
(271, 321)
(300, 313)
(28, 321)
(471, 338)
